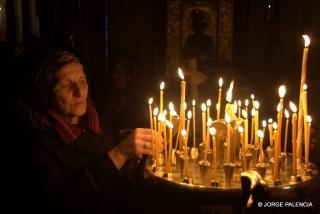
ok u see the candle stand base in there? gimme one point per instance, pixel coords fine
(228, 171)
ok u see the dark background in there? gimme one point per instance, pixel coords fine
(267, 45)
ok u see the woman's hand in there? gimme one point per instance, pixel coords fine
(138, 143)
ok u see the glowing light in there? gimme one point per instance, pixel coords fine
(203, 107)
(306, 40)
(212, 131)
(220, 82)
(256, 104)
(155, 111)
(227, 118)
(305, 87)
(309, 119)
(208, 103)
(270, 120)
(260, 133)
(246, 102)
(180, 74)
(282, 91)
(240, 129)
(229, 92)
(244, 114)
(162, 85)
(150, 101)
(189, 115)
(264, 123)
(193, 102)
(286, 113)
(275, 125)
(183, 133)
(293, 107)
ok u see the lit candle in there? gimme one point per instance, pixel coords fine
(270, 121)
(282, 92)
(209, 123)
(301, 104)
(219, 98)
(182, 100)
(307, 143)
(246, 103)
(286, 113)
(294, 138)
(172, 112)
(261, 135)
(155, 114)
(252, 125)
(203, 108)
(276, 157)
(185, 166)
(305, 112)
(170, 126)
(150, 101)
(162, 120)
(228, 120)
(189, 115)
(239, 108)
(246, 131)
(161, 96)
(252, 100)
(264, 125)
(194, 122)
(241, 130)
(214, 146)
(208, 107)
(256, 122)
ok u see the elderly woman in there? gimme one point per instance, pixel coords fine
(76, 163)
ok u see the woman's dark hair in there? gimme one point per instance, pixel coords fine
(45, 78)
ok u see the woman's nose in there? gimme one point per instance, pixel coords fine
(78, 90)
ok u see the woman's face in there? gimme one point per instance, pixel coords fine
(71, 91)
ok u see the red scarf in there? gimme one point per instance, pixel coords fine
(69, 132)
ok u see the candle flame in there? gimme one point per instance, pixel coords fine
(239, 103)
(185, 106)
(260, 133)
(235, 107)
(180, 74)
(246, 102)
(209, 122)
(270, 120)
(161, 85)
(220, 82)
(306, 40)
(252, 96)
(203, 107)
(189, 115)
(161, 117)
(282, 91)
(275, 125)
(229, 92)
(253, 111)
(165, 112)
(155, 111)
(305, 87)
(173, 113)
(171, 106)
(264, 123)
(240, 129)
(212, 131)
(286, 113)
(278, 107)
(183, 133)
(256, 104)
(208, 103)
(193, 102)
(150, 101)
(293, 107)
(308, 118)
(169, 124)
(227, 118)
(244, 114)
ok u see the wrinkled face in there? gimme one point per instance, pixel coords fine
(71, 91)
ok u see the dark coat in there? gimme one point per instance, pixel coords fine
(55, 177)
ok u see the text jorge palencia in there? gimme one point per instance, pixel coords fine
(285, 204)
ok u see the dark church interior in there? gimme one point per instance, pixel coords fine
(127, 48)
